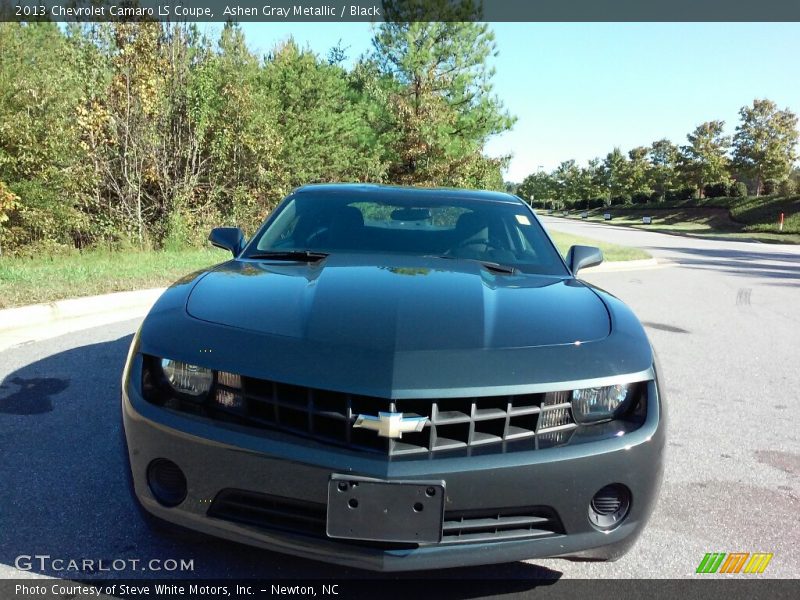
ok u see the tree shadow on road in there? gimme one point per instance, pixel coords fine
(749, 263)
(64, 489)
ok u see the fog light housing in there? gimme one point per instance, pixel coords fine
(610, 506)
(167, 482)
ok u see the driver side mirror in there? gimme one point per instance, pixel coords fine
(581, 257)
(227, 238)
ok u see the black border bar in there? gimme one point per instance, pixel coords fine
(386, 587)
(293, 11)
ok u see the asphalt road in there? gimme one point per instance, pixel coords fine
(724, 318)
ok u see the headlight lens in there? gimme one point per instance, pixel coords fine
(187, 379)
(592, 405)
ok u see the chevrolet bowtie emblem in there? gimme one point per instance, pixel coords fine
(391, 424)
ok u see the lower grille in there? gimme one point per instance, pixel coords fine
(308, 518)
(269, 512)
(500, 524)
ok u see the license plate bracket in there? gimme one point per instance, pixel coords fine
(363, 508)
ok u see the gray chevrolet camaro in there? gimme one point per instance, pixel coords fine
(396, 379)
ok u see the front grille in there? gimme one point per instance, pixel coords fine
(275, 513)
(500, 423)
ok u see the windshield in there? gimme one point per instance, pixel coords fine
(503, 233)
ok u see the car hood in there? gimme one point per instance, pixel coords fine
(399, 304)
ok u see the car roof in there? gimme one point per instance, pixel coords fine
(389, 192)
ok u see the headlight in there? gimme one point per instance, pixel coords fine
(591, 405)
(187, 379)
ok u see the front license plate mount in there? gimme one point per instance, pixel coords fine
(363, 508)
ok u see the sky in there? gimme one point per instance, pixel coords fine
(580, 89)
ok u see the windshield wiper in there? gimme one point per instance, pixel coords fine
(291, 255)
(486, 264)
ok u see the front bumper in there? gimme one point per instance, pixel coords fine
(215, 458)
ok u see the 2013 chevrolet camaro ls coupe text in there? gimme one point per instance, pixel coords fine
(395, 379)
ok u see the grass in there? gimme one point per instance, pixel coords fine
(611, 252)
(752, 218)
(26, 280)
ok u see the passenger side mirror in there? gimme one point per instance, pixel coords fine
(581, 257)
(227, 238)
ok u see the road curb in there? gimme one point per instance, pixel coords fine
(73, 308)
(623, 265)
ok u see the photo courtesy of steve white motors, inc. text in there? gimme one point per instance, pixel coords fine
(77, 590)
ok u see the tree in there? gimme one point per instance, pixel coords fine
(567, 177)
(614, 173)
(321, 119)
(663, 164)
(9, 201)
(40, 158)
(638, 173)
(537, 188)
(439, 93)
(704, 160)
(764, 145)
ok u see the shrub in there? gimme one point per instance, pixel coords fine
(596, 203)
(770, 187)
(640, 198)
(655, 197)
(715, 190)
(786, 188)
(621, 199)
(738, 189)
(686, 193)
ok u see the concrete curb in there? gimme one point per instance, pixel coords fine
(622, 265)
(42, 314)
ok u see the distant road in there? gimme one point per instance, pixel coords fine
(724, 318)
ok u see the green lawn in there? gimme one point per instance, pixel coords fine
(611, 252)
(752, 218)
(45, 279)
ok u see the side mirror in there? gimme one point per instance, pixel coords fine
(227, 238)
(580, 257)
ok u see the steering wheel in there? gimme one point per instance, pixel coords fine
(314, 237)
(490, 245)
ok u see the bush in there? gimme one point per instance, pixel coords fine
(640, 198)
(770, 187)
(738, 189)
(621, 199)
(686, 193)
(655, 197)
(786, 188)
(716, 190)
(596, 203)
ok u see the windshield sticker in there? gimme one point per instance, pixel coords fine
(523, 219)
